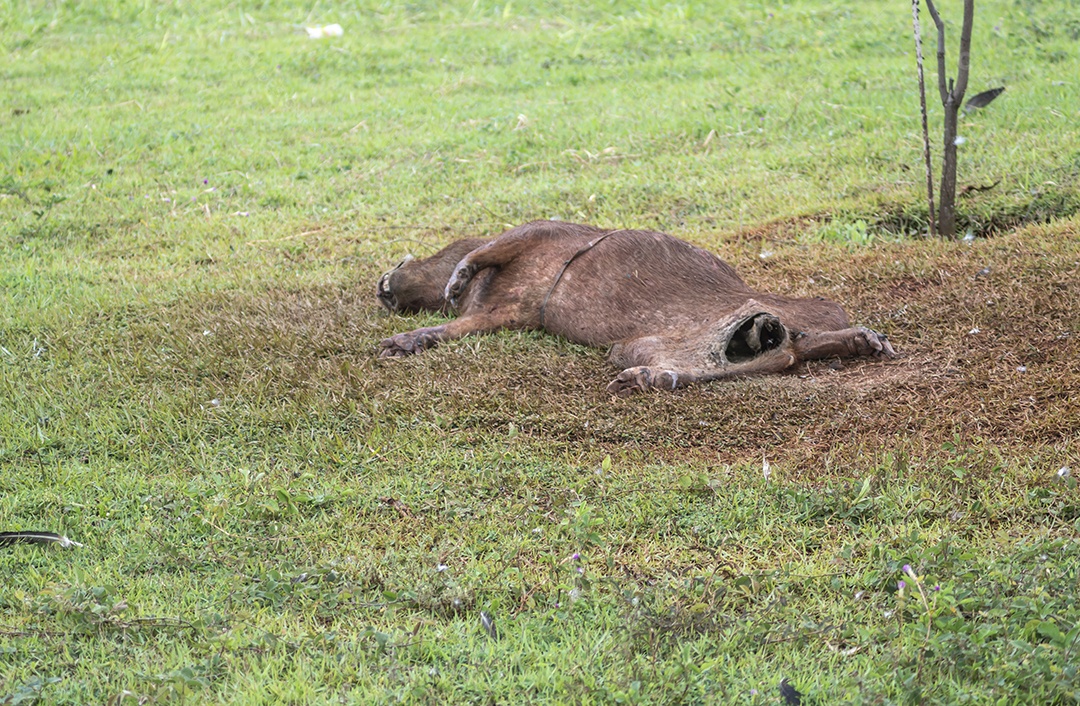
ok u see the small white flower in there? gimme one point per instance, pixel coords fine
(766, 254)
(441, 568)
(973, 331)
(1064, 472)
(1021, 368)
(537, 530)
(959, 140)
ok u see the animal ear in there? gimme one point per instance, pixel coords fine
(404, 261)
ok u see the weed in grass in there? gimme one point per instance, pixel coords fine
(855, 234)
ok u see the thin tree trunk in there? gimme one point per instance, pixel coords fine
(947, 214)
(922, 107)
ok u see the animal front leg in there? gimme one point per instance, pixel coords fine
(410, 342)
(845, 343)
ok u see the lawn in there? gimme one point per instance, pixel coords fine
(197, 199)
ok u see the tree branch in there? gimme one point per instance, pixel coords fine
(965, 52)
(940, 51)
(922, 106)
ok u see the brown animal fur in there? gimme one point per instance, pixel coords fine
(672, 313)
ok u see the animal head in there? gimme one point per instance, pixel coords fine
(392, 287)
(420, 285)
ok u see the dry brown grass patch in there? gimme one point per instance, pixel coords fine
(1012, 382)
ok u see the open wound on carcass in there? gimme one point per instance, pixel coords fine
(758, 334)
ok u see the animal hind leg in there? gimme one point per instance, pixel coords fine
(648, 365)
(653, 363)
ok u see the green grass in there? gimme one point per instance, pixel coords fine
(196, 202)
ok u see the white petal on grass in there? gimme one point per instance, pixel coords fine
(959, 140)
(333, 30)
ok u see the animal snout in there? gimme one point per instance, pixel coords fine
(385, 295)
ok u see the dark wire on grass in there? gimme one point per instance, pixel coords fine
(9, 538)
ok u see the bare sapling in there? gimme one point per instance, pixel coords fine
(952, 99)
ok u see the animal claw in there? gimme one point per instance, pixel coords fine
(629, 381)
(397, 346)
(391, 350)
(642, 378)
(410, 342)
(878, 343)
